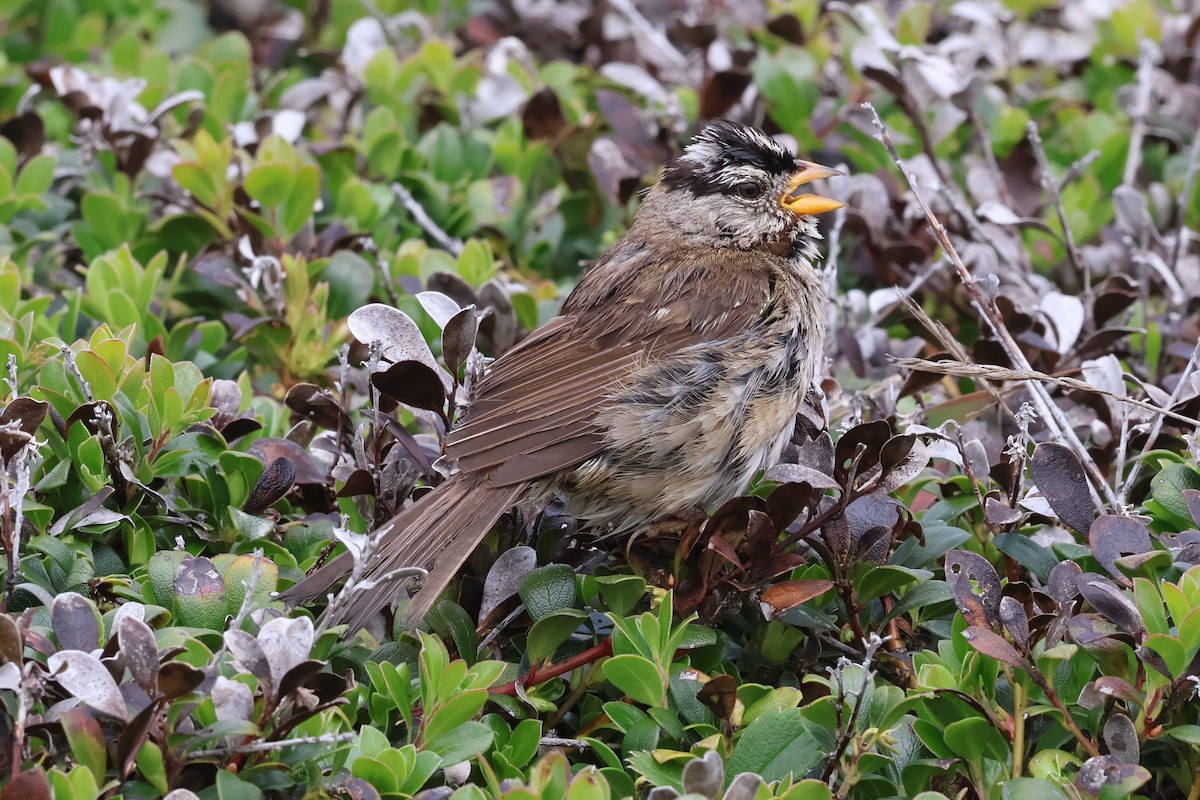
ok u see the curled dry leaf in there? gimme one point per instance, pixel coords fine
(276, 481)
(75, 621)
(440, 307)
(140, 651)
(719, 695)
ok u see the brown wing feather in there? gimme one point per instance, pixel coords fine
(534, 413)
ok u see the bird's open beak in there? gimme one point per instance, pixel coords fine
(808, 204)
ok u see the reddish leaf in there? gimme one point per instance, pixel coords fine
(993, 645)
(789, 594)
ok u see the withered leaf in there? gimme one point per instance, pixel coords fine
(274, 482)
(965, 571)
(1113, 536)
(719, 695)
(1058, 472)
(1012, 615)
(993, 645)
(789, 594)
(412, 383)
(542, 117)
(872, 435)
(1111, 602)
(458, 337)
(317, 405)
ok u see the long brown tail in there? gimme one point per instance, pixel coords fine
(437, 533)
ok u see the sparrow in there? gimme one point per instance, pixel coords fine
(671, 376)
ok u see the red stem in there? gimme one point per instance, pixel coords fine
(536, 676)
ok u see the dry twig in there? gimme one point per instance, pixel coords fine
(1053, 416)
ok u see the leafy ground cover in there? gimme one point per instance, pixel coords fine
(253, 255)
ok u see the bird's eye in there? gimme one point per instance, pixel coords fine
(749, 190)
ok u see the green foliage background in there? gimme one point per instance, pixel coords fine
(194, 200)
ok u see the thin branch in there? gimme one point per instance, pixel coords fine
(1147, 61)
(1189, 183)
(1078, 262)
(594, 653)
(260, 746)
(422, 218)
(1157, 426)
(1053, 416)
(654, 39)
(992, 372)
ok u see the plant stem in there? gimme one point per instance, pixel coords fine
(594, 653)
(1018, 745)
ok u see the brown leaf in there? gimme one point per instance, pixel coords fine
(993, 645)
(965, 571)
(719, 695)
(721, 90)
(412, 383)
(318, 406)
(274, 482)
(26, 132)
(1057, 471)
(1192, 498)
(1111, 602)
(789, 594)
(872, 435)
(30, 785)
(542, 117)
(1113, 536)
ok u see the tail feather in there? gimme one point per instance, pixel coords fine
(437, 533)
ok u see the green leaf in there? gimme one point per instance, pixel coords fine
(921, 596)
(809, 789)
(637, 677)
(1027, 553)
(876, 581)
(548, 589)
(523, 743)
(621, 592)
(466, 741)
(85, 739)
(476, 264)
(776, 746)
(231, 787)
(298, 208)
(551, 631)
(150, 765)
(36, 177)
(269, 184)
(588, 784)
(974, 739)
(1186, 733)
(454, 712)
(1032, 789)
(449, 619)
(376, 773)
(1167, 488)
(423, 767)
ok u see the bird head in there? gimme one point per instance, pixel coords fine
(734, 186)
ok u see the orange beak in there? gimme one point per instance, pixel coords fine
(809, 204)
